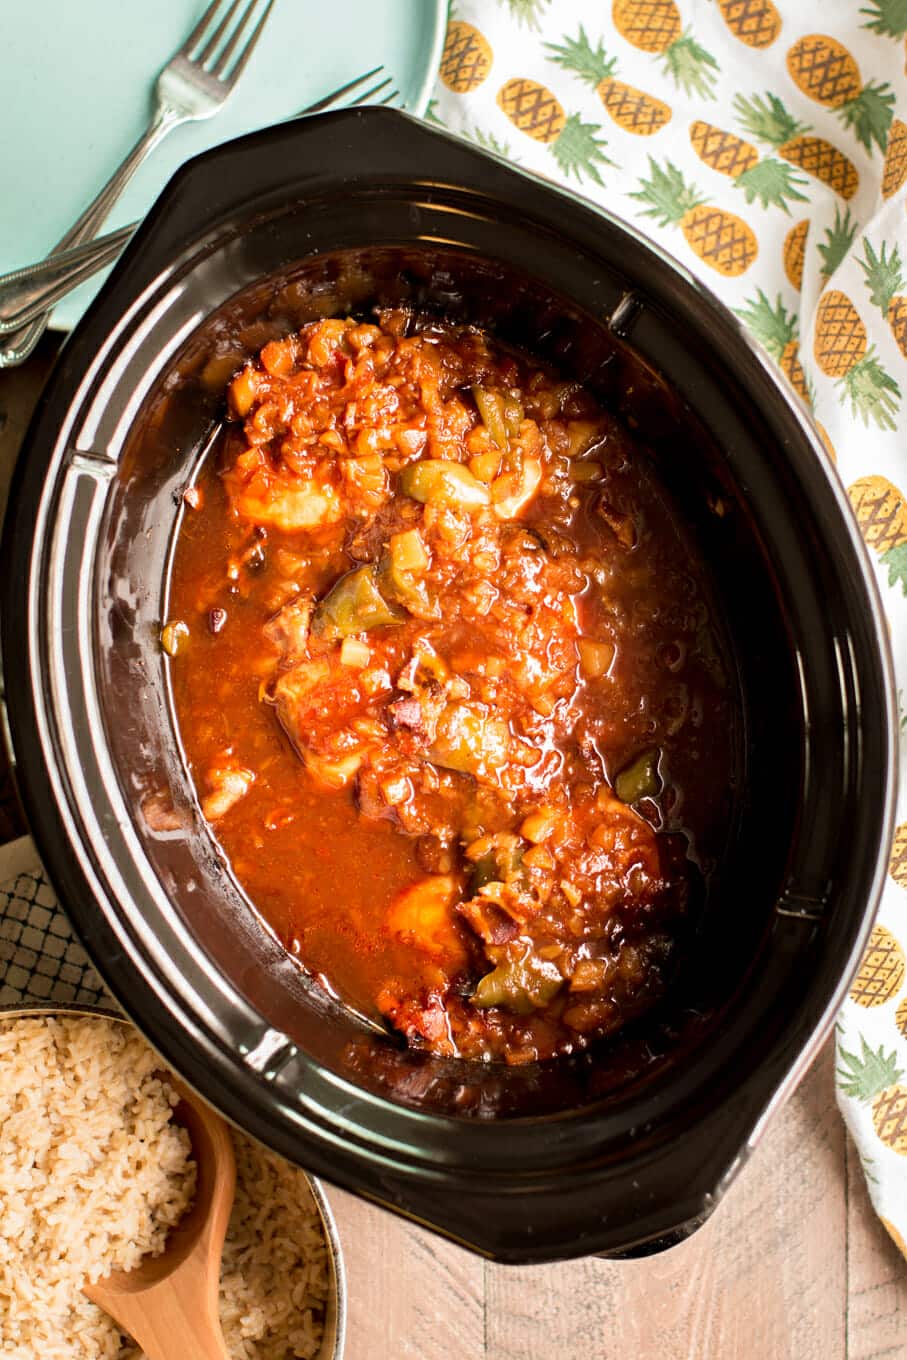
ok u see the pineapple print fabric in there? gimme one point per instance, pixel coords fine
(764, 144)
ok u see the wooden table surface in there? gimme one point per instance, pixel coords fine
(793, 1265)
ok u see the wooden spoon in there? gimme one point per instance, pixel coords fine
(169, 1303)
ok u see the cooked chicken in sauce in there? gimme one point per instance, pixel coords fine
(450, 685)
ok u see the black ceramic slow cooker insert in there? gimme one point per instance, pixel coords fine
(629, 1146)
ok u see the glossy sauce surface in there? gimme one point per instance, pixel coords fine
(450, 687)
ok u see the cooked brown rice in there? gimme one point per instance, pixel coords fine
(93, 1174)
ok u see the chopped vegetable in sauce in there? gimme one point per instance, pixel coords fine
(353, 605)
(458, 607)
(639, 780)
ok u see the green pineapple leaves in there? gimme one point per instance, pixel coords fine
(527, 13)
(888, 18)
(766, 119)
(874, 394)
(865, 1075)
(869, 115)
(771, 182)
(691, 67)
(578, 151)
(838, 240)
(884, 275)
(895, 559)
(592, 65)
(667, 194)
(773, 326)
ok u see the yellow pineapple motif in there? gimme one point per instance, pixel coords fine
(897, 864)
(768, 180)
(795, 253)
(776, 329)
(897, 320)
(826, 72)
(840, 341)
(889, 1118)
(825, 162)
(651, 25)
(894, 172)
(533, 109)
(722, 240)
(766, 119)
(467, 57)
(881, 972)
(654, 26)
(881, 512)
(841, 350)
(790, 365)
(824, 69)
(632, 109)
(882, 516)
(723, 151)
(900, 1017)
(873, 1076)
(755, 22)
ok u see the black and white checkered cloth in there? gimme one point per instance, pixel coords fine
(41, 964)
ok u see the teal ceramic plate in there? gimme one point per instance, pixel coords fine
(77, 78)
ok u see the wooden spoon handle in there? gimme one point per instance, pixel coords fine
(169, 1304)
(173, 1320)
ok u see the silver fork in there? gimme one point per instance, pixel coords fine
(35, 288)
(195, 83)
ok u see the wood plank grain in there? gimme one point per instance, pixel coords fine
(764, 1279)
(412, 1296)
(567, 1311)
(877, 1277)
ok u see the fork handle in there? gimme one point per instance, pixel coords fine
(92, 219)
(19, 345)
(26, 293)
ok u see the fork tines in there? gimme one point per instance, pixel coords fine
(230, 37)
(368, 96)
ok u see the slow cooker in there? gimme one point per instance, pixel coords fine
(625, 1148)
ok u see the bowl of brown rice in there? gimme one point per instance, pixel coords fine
(94, 1173)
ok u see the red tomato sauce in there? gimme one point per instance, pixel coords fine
(450, 686)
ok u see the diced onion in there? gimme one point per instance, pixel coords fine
(594, 657)
(354, 652)
(538, 826)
